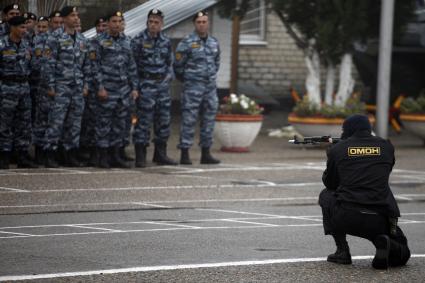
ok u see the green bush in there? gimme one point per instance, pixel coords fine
(411, 105)
(304, 108)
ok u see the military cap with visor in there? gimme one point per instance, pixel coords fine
(11, 7)
(67, 10)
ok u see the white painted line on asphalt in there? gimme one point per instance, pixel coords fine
(13, 233)
(171, 224)
(215, 186)
(249, 222)
(260, 214)
(152, 205)
(179, 267)
(14, 190)
(93, 228)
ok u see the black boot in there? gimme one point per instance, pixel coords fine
(140, 155)
(160, 155)
(206, 157)
(50, 159)
(93, 159)
(24, 160)
(116, 161)
(103, 157)
(184, 157)
(383, 246)
(39, 155)
(342, 254)
(4, 159)
(72, 158)
(124, 155)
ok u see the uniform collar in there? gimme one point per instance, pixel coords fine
(148, 36)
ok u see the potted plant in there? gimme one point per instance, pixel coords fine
(413, 115)
(311, 120)
(238, 123)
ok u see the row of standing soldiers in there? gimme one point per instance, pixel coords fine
(82, 91)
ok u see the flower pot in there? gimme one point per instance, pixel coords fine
(237, 132)
(414, 123)
(319, 126)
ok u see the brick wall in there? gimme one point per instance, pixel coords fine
(276, 66)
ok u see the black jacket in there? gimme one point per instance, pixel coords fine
(358, 169)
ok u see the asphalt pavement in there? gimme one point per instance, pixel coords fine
(252, 218)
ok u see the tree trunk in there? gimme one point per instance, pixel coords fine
(346, 82)
(313, 78)
(330, 83)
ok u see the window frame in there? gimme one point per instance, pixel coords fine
(258, 39)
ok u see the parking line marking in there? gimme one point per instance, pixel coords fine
(179, 267)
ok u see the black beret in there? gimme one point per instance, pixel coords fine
(99, 20)
(30, 16)
(17, 21)
(68, 10)
(55, 14)
(115, 14)
(355, 123)
(156, 12)
(200, 14)
(11, 7)
(43, 19)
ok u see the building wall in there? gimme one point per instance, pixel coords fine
(276, 66)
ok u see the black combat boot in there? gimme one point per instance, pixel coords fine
(50, 159)
(24, 160)
(72, 158)
(184, 157)
(382, 244)
(160, 155)
(124, 155)
(140, 155)
(115, 157)
(342, 254)
(103, 157)
(4, 159)
(93, 158)
(206, 157)
(39, 155)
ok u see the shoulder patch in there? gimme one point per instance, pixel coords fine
(178, 56)
(364, 151)
(47, 52)
(195, 45)
(38, 52)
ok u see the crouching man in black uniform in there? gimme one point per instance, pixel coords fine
(358, 200)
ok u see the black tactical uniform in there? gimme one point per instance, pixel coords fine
(358, 200)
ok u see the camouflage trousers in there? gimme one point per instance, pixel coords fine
(198, 99)
(15, 116)
(64, 122)
(128, 123)
(153, 107)
(112, 115)
(41, 117)
(88, 123)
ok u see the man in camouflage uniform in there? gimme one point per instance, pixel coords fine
(42, 100)
(196, 65)
(9, 12)
(15, 101)
(116, 83)
(154, 58)
(67, 65)
(88, 124)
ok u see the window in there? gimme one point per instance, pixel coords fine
(253, 25)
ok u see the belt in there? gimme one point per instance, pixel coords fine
(15, 79)
(156, 77)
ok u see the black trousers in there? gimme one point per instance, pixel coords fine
(341, 219)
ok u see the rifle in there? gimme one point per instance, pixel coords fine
(315, 140)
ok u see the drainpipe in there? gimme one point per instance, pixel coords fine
(236, 18)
